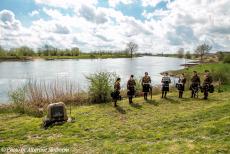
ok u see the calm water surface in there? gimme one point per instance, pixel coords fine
(17, 73)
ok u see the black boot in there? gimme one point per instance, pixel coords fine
(192, 94)
(206, 96)
(162, 94)
(115, 104)
(165, 94)
(130, 100)
(144, 96)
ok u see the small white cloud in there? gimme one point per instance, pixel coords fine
(92, 15)
(152, 3)
(114, 3)
(34, 13)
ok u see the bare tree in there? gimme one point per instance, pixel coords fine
(202, 50)
(180, 53)
(132, 47)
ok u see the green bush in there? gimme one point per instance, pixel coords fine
(220, 56)
(222, 75)
(227, 58)
(138, 87)
(18, 99)
(100, 87)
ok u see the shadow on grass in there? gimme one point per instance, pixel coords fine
(152, 102)
(135, 105)
(120, 109)
(172, 100)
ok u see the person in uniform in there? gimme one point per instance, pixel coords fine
(146, 81)
(195, 84)
(165, 84)
(131, 89)
(117, 88)
(207, 83)
(181, 85)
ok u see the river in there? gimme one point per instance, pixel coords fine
(17, 73)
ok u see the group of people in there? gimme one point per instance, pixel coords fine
(146, 86)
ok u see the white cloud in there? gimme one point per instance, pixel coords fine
(90, 27)
(8, 20)
(152, 3)
(53, 13)
(34, 13)
(92, 15)
(114, 3)
(156, 14)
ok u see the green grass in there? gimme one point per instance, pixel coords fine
(159, 126)
(202, 67)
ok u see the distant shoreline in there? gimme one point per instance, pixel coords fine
(64, 57)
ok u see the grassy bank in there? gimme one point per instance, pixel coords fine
(157, 126)
(214, 67)
(219, 71)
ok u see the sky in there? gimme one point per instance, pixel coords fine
(155, 25)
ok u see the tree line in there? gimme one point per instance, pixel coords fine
(48, 50)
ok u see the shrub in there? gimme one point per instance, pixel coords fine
(100, 87)
(227, 58)
(18, 99)
(220, 56)
(221, 75)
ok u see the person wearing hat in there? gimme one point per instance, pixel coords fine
(146, 81)
(116, 93)
(181, 85)
(207, 83)
(131, 89)
(165, 84)
(194, 87)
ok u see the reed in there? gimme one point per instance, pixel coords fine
(35, 95)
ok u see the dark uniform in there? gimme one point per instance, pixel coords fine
(206, 85)
(181, 86)
(165, 85)
(146, 80)
(116, 94)
(195, 85)
(131, 89)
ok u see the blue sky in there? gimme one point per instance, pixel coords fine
(155, 25)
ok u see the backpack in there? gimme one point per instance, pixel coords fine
(211, 88)
(112, 94)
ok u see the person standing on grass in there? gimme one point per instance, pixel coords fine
(165, 84)
(146, 81)
(181, 85)
(131, 88)
(117, 88)
(207, 83)
(195, 84)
